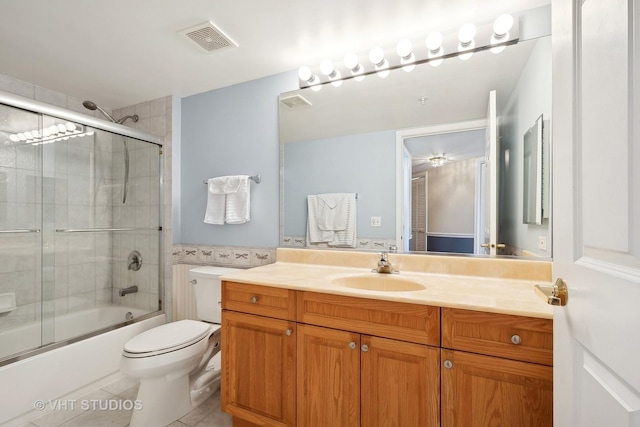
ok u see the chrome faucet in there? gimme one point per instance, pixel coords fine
(384, 265)
(130, 290)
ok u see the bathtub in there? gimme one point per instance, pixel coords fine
(61, 371)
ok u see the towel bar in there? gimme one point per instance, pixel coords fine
(255, 178)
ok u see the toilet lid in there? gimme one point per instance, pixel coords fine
(168, 336)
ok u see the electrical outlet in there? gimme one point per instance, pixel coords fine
(542, 243)
(376, 221)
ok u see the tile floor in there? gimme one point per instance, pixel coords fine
(115, 414)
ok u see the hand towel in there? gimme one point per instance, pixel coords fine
(238, 201)
(347, 237)
(314, 233)
(214, 213)
(332, 211)
(331, 219)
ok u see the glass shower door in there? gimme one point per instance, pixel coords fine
(20, 231)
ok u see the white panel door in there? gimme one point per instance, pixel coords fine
(596, 210)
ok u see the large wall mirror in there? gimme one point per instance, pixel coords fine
(414, 151)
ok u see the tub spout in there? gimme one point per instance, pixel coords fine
(130, 290)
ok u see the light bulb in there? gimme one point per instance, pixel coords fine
(468, 48)
(316, 87)
(35, 133)
(502, 25)
(22, 137)
(304, 73)
(62, 128)
(326, 67)
(70, 126)
(53, 129)
(466, 34)
(13, 137)
(494, 41)
(376, 56)
(404, 48)
(351, 62)
(434, 42)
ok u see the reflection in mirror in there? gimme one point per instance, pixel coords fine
(532, 174)
(357, 139)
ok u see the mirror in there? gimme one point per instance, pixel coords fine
(357, 138)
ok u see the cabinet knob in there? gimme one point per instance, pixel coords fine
(448, 364)
(288, 332)
(254, 299)
(516, 339)
(365, 347)
(352, 345)
(193, 281)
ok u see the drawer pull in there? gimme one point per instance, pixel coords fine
(193, 282)
(516, 339)
(352, 345)
(288, 332)
(448, 364)
(254, 299)
(365, 347)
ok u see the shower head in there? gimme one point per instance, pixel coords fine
(90, 105)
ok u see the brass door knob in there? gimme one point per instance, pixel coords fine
(558, 294)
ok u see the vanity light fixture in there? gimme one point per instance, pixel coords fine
(352, 64)
(501, 28)
(305, 74)
(53, 133)
(467, 43)
(437, 161)
(326, 68)
(376, 56)
(435, 51)
(405, 52)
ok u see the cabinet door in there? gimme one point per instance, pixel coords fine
(259, 368)
(482, 391)
(328, 377)
(400, 383)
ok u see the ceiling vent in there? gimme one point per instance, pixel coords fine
(295, 101)
(208, 37)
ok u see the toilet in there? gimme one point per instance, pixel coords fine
(178, 364)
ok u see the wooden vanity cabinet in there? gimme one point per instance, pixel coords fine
(496, 370)
(258, 355)
(349, 378)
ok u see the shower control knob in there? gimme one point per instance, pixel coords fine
(254, 300)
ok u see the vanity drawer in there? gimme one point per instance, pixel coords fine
(267, 301)
(389, 319)
(522, 338)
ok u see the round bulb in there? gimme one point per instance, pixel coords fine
(502, 25)
(434, 41)
(35, 133)
(467, 33)
(469, 47)
(62, 128)
(326, 67)
(13, 137)
(408, 64)
(404, 48)
(22, 137)
(496, 49)
(304, 73)
(376, 56)
(351, 60)
(53, 129)
(316, 87)
(70, 126)
(382, 69)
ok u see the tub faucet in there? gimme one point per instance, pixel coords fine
(130, 290)
(384, 265)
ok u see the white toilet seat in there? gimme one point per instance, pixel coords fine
(168, 338)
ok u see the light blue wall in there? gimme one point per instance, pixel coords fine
(233, 131)
(359, 164)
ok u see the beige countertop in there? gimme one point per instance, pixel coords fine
(313, 272)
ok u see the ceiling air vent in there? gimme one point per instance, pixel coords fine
(295, 101)
(208, 37)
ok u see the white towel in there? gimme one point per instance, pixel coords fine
(332, 219)
(216, 198)
(228, 200)
(238, 201)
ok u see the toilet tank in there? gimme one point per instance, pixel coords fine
(208, 291)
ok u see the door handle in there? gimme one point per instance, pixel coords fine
(491, 245)
(558, 294)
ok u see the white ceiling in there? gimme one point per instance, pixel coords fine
(122, 52)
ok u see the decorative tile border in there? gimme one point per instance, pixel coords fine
(362, 243)
(232, 256)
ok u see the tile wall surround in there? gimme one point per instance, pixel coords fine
(362, 243)
(78, 275)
